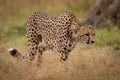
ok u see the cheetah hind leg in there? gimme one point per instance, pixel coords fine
(41, 49)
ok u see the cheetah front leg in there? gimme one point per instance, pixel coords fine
(63, 59)
(63, 56)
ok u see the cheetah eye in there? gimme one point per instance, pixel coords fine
(87, 34)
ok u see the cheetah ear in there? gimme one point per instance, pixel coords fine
(91, 27)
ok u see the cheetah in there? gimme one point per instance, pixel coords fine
(60, 34)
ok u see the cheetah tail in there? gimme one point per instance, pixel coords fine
(13, 52)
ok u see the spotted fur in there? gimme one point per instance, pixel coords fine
(60, 34)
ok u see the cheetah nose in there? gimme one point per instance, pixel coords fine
(92, 42)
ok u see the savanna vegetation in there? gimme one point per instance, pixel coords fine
(100, 61)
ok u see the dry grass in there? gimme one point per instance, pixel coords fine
(84, 63)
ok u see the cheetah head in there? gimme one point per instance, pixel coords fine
(86, 35)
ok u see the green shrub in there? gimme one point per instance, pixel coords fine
(106, 37)
(15, 30)
(12, 32)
